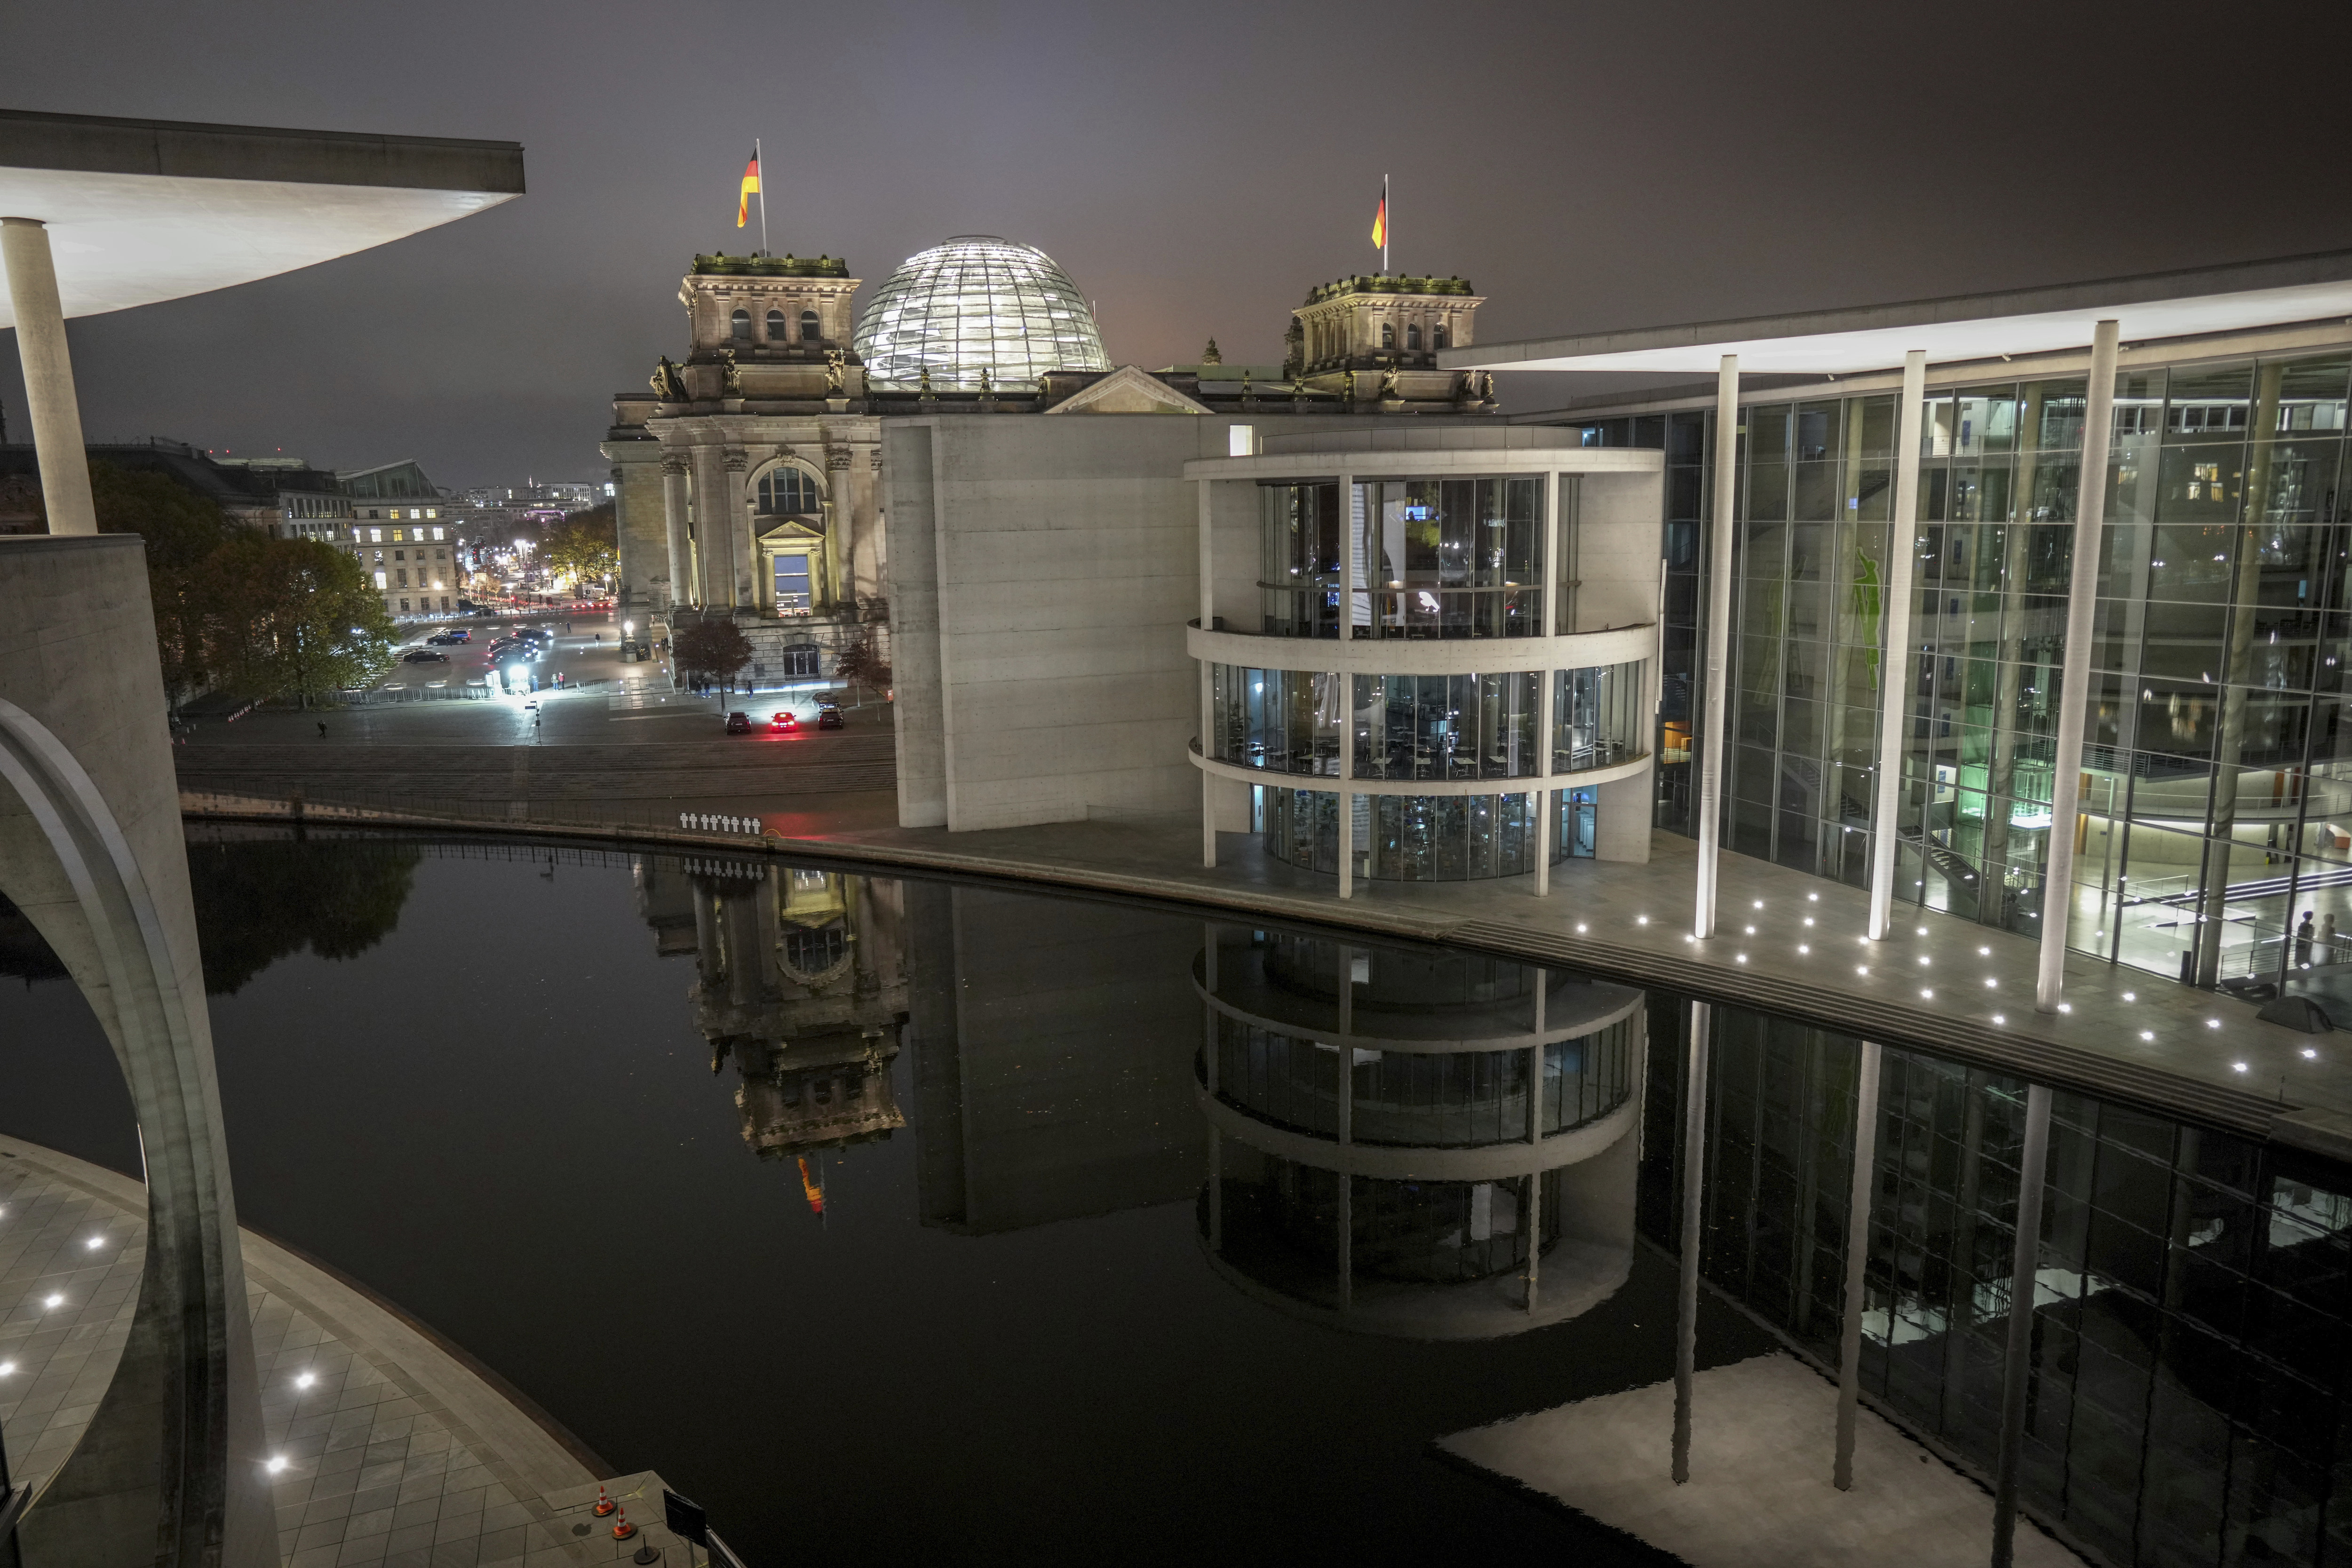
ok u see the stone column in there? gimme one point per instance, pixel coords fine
(48, 375)
(743, 547)
(1895, 667)
(677, 519)
(713, 530)
(1718, 645)
(2074, 677)
(866, 542)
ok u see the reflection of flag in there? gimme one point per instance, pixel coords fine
(1381, 222)
(750, 187)
(809, 1189)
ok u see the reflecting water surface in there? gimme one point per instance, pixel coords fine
(897, 1218)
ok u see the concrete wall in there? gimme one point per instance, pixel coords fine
(1617, 550)
(912, 575)
(1236, 530)
(170, 1467)
(1065, 561)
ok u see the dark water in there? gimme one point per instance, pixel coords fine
(581, 1115)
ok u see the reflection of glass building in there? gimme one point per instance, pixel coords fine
(2216, 793)
(2186, 1401)
(1425, 1144)
(977, 312)
(1427, 662)
(800, 981)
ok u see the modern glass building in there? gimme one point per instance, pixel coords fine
(1427, 663)
(1419, 1143)
(2216, 787)
(976, 313)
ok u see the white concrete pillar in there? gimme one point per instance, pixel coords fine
(2074, 676)
(1857, 1257)
(1546, 736)
(2017, 1364)
(1894, 664)
(1694, 1185)
(1718, 644)
(48, 375)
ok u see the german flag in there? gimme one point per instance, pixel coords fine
(1379, 223)
(751, 188)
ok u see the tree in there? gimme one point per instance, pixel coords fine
(710, 649)
(860, 662)
(586, 546)
(297, 619)
(259, 903)
(184, 534)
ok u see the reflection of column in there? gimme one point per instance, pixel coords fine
(2019, 1365)
(1693, 1177)
(1209, 1081)
(683, 590)
(2075, 681)
(1895, 664)
(2235, 694)
(48, 375)
(1857, 1257)
(1718, 644)
(1534, 1223)
(1346, 1119)
(1350, 568)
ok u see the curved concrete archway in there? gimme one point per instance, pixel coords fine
(170, 1469)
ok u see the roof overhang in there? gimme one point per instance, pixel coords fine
(1962, 328)
(140, 211)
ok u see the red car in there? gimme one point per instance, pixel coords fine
(784, 721)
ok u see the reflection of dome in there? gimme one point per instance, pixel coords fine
(977, 303)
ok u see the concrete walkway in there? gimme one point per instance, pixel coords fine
(396, 1452)
(1762, 1440)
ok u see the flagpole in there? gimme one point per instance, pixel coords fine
(1387, 222)
(763, 194)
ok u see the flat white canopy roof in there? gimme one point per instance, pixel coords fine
(141, 210)
(1966, 327)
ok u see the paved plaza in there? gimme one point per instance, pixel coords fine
(396, 1452)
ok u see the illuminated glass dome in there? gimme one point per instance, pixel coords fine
(977, 303)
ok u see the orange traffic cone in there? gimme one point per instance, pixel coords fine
(605, 1505)
(621, 1527)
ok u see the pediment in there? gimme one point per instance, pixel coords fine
(1128, 390)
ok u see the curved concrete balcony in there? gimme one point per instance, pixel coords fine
(1525, 783)
(1573, 1007)
(1424, 656)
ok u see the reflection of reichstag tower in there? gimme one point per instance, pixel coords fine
(1428, 1144)
(799, 977)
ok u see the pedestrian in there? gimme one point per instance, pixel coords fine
(323, 729)
(2303, 943)
(2326, 943)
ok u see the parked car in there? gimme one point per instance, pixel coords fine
(539, 635)
(424, 655)
(739, 724)
(449, 639)
(784, 721)
(828, 716)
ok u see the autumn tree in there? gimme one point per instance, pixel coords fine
(586, 546)
(299, 619)
(184, 532)
(710, 649)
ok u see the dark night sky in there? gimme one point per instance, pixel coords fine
(1195, 167)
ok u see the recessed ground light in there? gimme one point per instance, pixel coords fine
(2147, 1033)
(2212, 1023)
(2309, 1054)
(1928, 993)
(1998, 1019)
(1923, 930)
(1991, 983)
(6, 1367)
(1808, 919)
(1984, 953)
(1580, 927)
(2066, 1006)
(1862, 969)
(2237, 1067)
(1802, 948)
(53, 1301)
(1640, 919)
(306, 1380)
(1760, 903)
(1740, 958)
(95, 1242)
(276, 1463)
(1812, 898)
(2131, 995)
(1922, 959)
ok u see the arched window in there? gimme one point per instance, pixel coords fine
(776, 333)
(1412, 336)
(790, 492)
(742, 326)
(1388, 335)
(1437, 336)
(809, 333)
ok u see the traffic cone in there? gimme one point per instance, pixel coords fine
(621, 1527)
(605, 1505)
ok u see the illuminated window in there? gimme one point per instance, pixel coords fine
(433, 511)
(790, 492)
(809, 333)
(436, 533)
(382, 581)
(375, 536)
(793, 582)
(742, 326)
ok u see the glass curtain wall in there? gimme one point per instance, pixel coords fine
(1597, 719)
(1435, 558)
(1285, 721)
(2187, 1400)
(2214, 840)
(1448, 726)
(1412, 837)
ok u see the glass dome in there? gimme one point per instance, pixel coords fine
(977, 303)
